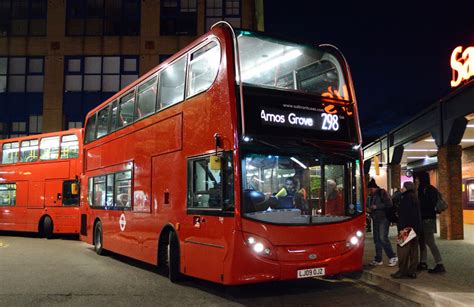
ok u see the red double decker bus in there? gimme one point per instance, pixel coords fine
(39, 183)
(237, 161)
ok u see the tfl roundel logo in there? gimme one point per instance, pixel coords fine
(122, 222)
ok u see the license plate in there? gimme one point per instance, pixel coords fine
(310, 272)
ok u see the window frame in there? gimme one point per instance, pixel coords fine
(92, 191)
(26, 74)
(103, 17)
(59, 147)
(190, 190)
(8, 189)
(177, 17)
(30, 16)
(37, 150)
(191, 52)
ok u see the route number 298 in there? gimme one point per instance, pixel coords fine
(330, 122)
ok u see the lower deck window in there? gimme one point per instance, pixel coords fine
(111, 191)
(8, 194)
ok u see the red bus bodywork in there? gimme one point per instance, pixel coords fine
(211, 246)
(40, 184)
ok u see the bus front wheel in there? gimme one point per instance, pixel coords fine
(48, 227)
(173, 258)
(98, 239)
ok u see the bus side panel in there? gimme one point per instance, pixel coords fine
(65, 219)
(36, 195)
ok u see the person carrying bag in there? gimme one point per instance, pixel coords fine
(409, 225)
(428, 196)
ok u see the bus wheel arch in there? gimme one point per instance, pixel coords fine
(98, 237)
(169, 253)
(46, 226)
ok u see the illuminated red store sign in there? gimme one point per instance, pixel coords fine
(462, 63)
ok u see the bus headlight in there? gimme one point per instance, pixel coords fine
(354, 240)
(359, 234)
(259, 246)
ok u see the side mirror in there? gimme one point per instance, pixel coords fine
(215, 163)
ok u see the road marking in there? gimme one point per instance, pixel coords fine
(3, 245)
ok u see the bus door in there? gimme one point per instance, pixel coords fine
(209, 221)
(53, 193)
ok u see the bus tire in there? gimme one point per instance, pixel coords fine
(173, 258)
(48, 227)
(98, 239)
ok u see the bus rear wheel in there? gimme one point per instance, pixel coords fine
(98, 239)
(173, 258)
(48, 227)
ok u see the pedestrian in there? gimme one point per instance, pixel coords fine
(377, 202)
(408, 216)
(428, 196)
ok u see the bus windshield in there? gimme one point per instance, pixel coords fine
(300, 189)
(267, 62)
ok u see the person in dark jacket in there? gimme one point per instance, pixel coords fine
(428, 196)
(408, 216)
(377, 202)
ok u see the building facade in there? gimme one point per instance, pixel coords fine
(61, 58)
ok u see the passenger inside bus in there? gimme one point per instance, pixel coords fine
(291, 196)
(334, 200)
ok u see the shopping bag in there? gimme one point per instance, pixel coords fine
(405, 236)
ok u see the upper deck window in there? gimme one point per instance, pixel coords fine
(69, 147)
(267, 62)
(172, 83)
(29, 151)
(10, 153)
(146, 98)
(127, 107)
(90, 129)
(203, 67)
(49, 148)
(102, 122)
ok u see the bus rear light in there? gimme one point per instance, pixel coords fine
(259, 246)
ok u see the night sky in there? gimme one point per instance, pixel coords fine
(399, 55)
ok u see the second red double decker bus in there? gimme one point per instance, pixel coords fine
(236, 161)
(39, 183)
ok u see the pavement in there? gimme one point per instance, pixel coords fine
(453, 288)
